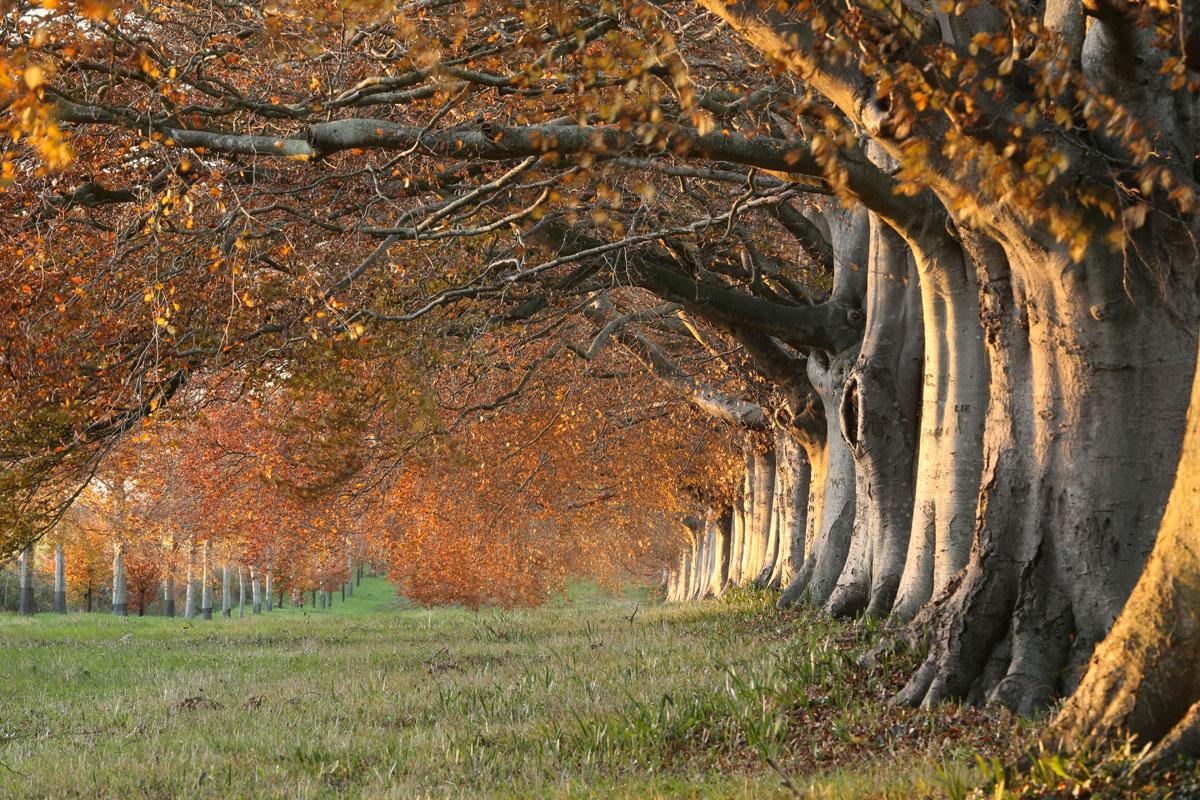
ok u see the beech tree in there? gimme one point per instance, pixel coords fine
(954, 251)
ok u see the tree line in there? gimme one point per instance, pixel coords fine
(936, 264)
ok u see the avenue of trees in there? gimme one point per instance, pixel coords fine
(890, 305)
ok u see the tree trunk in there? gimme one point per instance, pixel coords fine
(241, 593)
(226, 591)
(790, 468)
(749, 520)
(26, 603)
(350, 575)
(796, 476)
(1145, 676)
(169, 595)
(189, 601)
(833, 478)
(60, 579)
(256, 598)
(953, 407)
(737, 537)
(269, 587)
(720, 572)
(879, 417)
(764, 495)
(1089, 393)
(206, 599)
(120, 605)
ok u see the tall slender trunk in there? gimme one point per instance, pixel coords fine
(737, 536)
(25, 581)
(764, 493)
(120, 605)
(749, 520)
(241, 593)
(169, 595)
(206, 599)
(720, 570)
(789, 509)
(350, 574)
(793, 496)
(833, 483)
(189, 601)
(256, 598)
(60, 579)
(953, 408)
(268, 586)
(226, 591)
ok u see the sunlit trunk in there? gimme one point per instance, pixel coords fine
(879, 410)
(254, 590)
(206, 600)
(120, 604)
(169, 595)
(189, 596)
(226, 591)
(60, 579)
(953, 408)
(1082, 440)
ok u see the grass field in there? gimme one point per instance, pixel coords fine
(583, 697)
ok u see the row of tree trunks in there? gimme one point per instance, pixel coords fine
(759, 539)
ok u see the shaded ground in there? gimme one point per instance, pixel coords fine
(580, 698)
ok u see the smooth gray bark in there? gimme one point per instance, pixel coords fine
(226, 591)
(879, 410)
(120, 603)
(189, 601)
(254, 590)
(206, 598)
(60, 579)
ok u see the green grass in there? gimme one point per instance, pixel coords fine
(376, 699)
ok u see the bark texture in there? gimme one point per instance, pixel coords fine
(1145, 676)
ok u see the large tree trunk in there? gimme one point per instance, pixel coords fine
(721, 537)
(795, 476)
(60, 579)
(737, 536)
(1088, 400)
(833, 476)
(953, 408)
(879, 410)
(766, 530)
(25, 600)
(1145, 676)
(169, 595)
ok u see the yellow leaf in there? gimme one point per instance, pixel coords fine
(35, 76)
